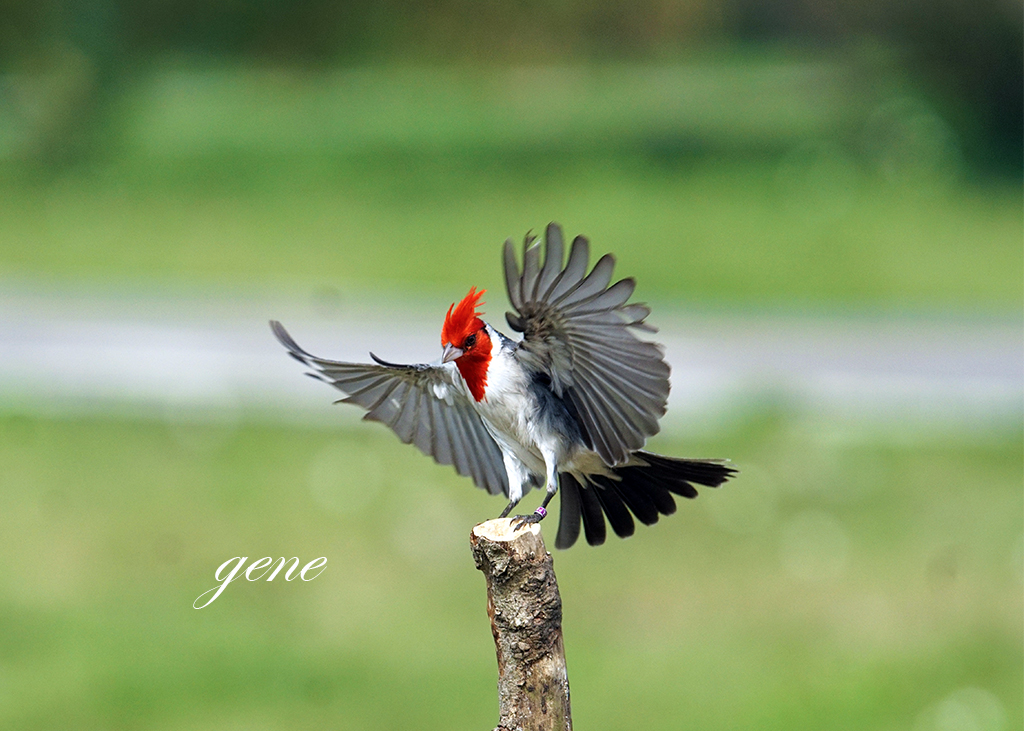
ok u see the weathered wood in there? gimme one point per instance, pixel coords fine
(526, 620)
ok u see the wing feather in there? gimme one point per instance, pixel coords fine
(615, 296)
(639, 357)
(423, 404)
(644, 377)
(460, 459)
(388, 408)
(531, 268)
(378, 409)
(637, 312)
(580, 331)
(473, 444)
(605, 412)
(406, 423)
(590, 426)
(366, 392)
(595, 283)
(575, 268)
(631, 398)
(423, 437)
(440, 444)
(512, 276)
(463, 449)
(552, 260)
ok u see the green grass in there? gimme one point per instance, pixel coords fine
(749, 181)
(718, 233)
(850, 584)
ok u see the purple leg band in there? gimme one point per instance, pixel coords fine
(541, 512)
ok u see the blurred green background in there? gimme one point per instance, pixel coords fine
(794, 157)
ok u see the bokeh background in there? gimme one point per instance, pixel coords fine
(836, 182)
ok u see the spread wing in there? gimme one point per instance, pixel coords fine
(422, 404)
(579, 331)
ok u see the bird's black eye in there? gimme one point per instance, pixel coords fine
(470, 342)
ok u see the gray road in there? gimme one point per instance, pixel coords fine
(191, 357)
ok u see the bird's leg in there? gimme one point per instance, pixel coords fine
(539, 514)
(517, 477)
(508, 508)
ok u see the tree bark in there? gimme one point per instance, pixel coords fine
(526, 620)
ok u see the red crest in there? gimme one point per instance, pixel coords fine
(462, 319)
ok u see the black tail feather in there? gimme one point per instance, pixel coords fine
(593, 517)
(618, 516)
(643, 489)
(569, 511)
(707, 472)
(638, 500)
(653, 493)
(661, 481)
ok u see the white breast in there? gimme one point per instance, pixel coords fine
(508, 408)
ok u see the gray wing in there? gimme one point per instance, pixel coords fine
(421, 403)
(579, 331)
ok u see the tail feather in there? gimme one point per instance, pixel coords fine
(618, 516)
(569, 511)
(644, 489)
(657, 480)
(651, 494)
(707, 472)
(593, 517)
(639, 501)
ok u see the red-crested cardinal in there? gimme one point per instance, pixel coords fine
(569, 405)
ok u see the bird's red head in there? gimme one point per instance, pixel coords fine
(466, 341)
(462, 319)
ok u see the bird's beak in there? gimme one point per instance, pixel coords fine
(450, 353)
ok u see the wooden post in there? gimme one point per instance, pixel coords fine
(526, 620)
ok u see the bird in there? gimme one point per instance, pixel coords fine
(568, 407)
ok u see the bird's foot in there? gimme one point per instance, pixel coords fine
(521, 521)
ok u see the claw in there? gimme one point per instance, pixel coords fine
(521, 521)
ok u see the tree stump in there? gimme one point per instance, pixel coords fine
(526, 620)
